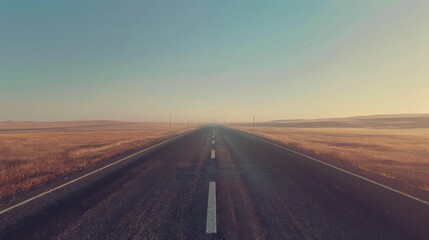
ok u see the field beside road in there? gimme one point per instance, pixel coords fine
(394, 148)
(32, 153)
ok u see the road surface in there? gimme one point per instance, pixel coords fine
(215, 183)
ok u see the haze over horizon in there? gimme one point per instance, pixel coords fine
(212, 60)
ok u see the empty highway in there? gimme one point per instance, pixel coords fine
(214, 183)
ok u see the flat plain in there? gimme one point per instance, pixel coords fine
(32, 153)
(394, 148)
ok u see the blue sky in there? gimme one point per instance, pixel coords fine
(211, 60)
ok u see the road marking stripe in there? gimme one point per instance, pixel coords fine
(213, 154)
(88, 174)
(213, 142)
(211, 209)
(342, 170)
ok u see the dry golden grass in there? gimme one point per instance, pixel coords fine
(401, 155)
(33, 153)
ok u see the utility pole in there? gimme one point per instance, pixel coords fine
(170, 123)
(253, 123)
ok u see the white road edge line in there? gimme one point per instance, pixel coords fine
(88, 174)
(340, 169)
(213, 154)
(211, 209)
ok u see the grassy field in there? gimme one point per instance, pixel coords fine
(33, 153)
(395, 152)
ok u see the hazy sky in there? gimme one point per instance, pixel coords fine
(212, 60)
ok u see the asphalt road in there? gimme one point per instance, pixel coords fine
(216, 183)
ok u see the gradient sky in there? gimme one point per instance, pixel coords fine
(211, 60)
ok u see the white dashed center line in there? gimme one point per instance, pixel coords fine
(211, 209)
(213, 154)
(213, 142)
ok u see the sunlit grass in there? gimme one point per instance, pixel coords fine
(32, 154)
(398, 154)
